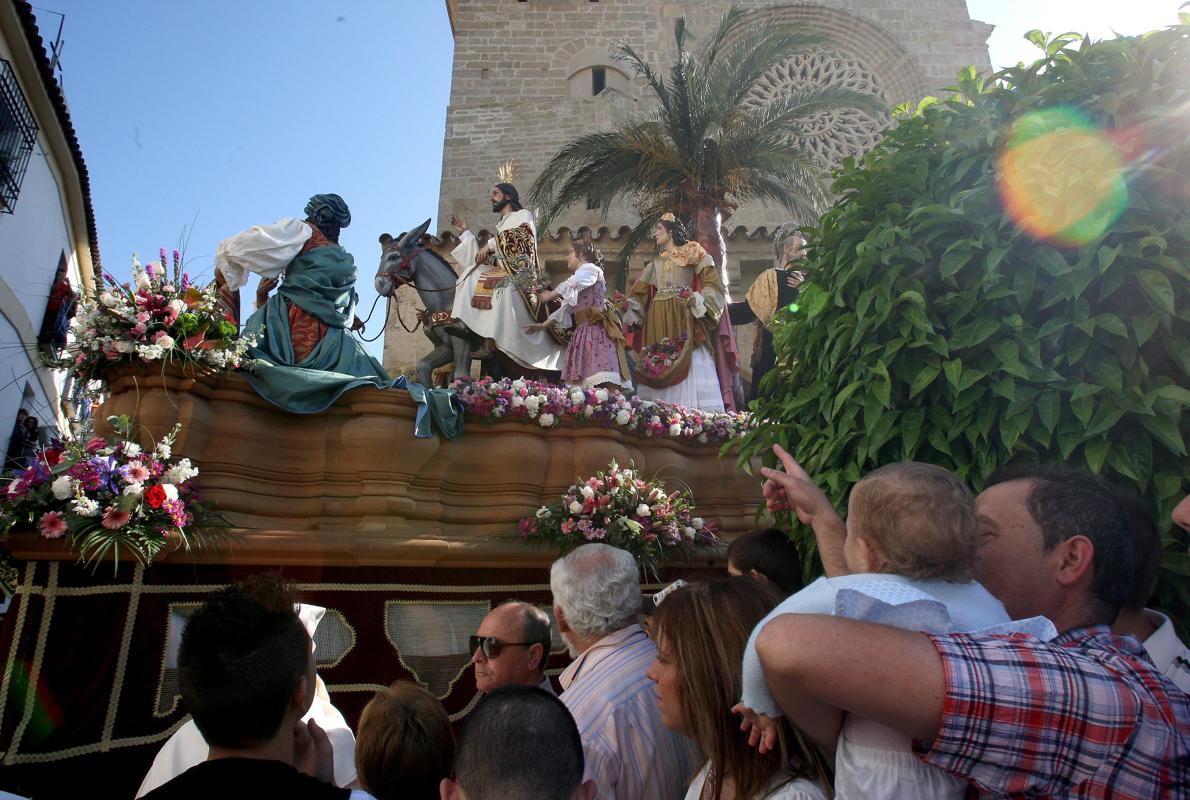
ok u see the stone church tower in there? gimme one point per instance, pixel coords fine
(529, 75)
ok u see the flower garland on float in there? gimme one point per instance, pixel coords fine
(549, 405)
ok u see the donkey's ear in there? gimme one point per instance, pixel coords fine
(385, 238)
(418, 232)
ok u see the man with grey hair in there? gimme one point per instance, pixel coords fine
(629, 753)
(511, 647)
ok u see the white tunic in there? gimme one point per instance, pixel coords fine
(505, 321)
(263, 249)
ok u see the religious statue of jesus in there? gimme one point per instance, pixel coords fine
(503, 314)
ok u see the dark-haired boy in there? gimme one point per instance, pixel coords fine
(246, 675)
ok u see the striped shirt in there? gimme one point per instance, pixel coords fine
(629, 753)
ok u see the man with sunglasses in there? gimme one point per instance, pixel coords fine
(511, 648)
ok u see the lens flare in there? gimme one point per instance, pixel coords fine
(1061, 178)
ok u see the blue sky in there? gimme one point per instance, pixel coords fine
(200, 119)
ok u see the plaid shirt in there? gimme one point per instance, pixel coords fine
(1086, 715)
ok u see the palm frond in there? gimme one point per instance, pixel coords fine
(728, 23)
(624, 53)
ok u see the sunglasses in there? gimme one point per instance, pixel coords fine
(491, 646)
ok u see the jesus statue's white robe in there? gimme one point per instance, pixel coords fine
(502, 315)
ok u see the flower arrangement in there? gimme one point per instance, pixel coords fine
(658, 359)
(111, 495)
(620, 508)
(158, 316)
(548, 405)
(618, 301)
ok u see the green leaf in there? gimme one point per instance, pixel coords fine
(1049, 405)
(923, 379)
(953, 369)
(1105, 417)
(1083, 407)
(844, 395)
(1166, 430)
(1095, 453)
(1005, 387)
(1157, 287)
(911, 425)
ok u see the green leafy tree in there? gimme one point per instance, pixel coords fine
(938, 325)
(703, 149)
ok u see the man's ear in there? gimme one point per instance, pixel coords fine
(302, 696)
(449, 790)
(585, 791)
(542, 655)
(561, 620)
(1076, 562)
(757, 575)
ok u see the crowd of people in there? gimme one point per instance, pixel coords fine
(957, 646)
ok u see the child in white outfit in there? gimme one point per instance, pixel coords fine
(911, 545)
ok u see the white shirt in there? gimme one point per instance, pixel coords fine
(1168, 652)
(796, 789)
(263, 249)
(586, 276)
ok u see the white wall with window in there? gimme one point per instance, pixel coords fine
(37, 236)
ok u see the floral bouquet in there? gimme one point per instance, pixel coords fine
(549, 405)
(620, 508)
(159, 316)
(658, 359)
(618, 301)
(111, 495)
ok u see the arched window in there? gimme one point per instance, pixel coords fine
(589, 74)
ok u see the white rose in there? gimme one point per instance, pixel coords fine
(63, 487)
(689, 532)
(587, 492)
(131, 449)
(545, 420)
(675, 429)
(622, 416)
(601, 395)
(517, 385)
(177, 306)
(124, 347)
(134, 489)
(109, 299)
(143, 281)
(86, 507)
(642, 510)
(577, 397)
(164, 342)
(171, 491)
(588, 411)
(576, 507)
(697, 522)
(543, 512)
(517, 400)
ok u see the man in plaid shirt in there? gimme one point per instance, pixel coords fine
(1086, 715)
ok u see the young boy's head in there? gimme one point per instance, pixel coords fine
(912, 519)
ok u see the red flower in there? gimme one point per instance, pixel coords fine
(95, 444)
(155, 496)
(52, 457)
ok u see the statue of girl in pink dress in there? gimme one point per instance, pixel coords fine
(595, 354)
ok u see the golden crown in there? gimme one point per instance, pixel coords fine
(507, 171)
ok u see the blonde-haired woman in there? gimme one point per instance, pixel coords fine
(700, 631)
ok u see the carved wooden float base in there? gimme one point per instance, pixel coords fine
(352, 486)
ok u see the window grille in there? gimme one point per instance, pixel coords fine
(18, 133)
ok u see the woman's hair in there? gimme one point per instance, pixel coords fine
(405, 744)
(585, 249)
(677, 230)
(920, 518)
(703, 628)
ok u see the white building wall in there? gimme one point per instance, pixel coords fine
(33, 240)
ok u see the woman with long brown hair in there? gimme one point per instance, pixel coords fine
(700, 631)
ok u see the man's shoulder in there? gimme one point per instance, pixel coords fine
(233, 778)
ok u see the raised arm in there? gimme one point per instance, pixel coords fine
(794, 490)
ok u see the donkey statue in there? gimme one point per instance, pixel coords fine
(408, 261)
